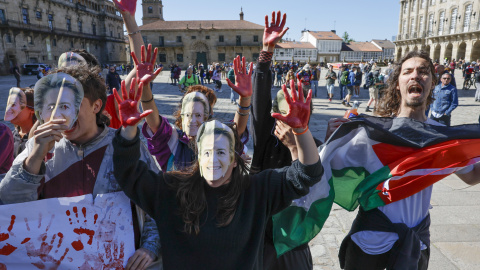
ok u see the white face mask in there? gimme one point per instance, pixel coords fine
(193, 112)
(17, 100)
(214, 157)
(216, 151)
(70, 59)
(58, 96)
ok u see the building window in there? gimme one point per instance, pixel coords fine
(443, 1)
(71, 44)
(414, 5)
(220, 39)
(239, 54)
(405, 8)
(25, 18)
(150, 9)
(221, 57)
(207, 37)
(255, 56)
(422, 24)
(255, 38)
(160, 11)
(441, 22)
(179, 38)
(38, 15)
(238, 40)
(180, 57)
(453, 21)
(468, 14)
(54, 42)
(3, 20)
(30, 40)
(80, 28)
(50, 21)
(8, 38)
(412, 28)
(69, 25)
(161, 41)
(194, 37)
(162, 58)
(424, 4)
(432, 2)
(430, 25)
(94, 29)
(118, 34)
(404, 27)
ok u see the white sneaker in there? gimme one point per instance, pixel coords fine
(220, 91)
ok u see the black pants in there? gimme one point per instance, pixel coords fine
(356, 259)
(444, 119)
(18, 80)
(296, 259)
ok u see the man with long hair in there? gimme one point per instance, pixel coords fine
(389, 236)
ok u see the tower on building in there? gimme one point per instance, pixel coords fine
(241, 14)
(152, 11)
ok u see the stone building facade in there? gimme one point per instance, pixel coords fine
(360, 52)
(206, 41)
(446, 29)
(39, 31)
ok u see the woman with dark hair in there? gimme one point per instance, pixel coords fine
(213, 215)
(20, 112)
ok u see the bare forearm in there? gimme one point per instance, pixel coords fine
(242, 120)
(473, 177)
(307, 150)
(148, 103)
(135, 39)
(33, 164)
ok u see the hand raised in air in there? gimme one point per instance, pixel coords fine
(128, 107)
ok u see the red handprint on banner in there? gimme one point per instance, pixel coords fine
(83, 224)
(44, 252)
(7, 249)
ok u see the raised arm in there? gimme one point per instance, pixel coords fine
(243, 86)
(297, 118)
(262, 123)
(472, 177)
(127, 8)
(146, 74)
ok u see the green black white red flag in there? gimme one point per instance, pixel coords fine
(372, 162)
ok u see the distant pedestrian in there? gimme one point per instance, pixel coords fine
(331, 76)
(113, 79)
(315, 78)
(445, 100)
(477, 81)
(16, 72)
(233, 94)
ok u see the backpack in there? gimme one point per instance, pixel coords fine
(368, 81)
(344, 78)
(358, 76)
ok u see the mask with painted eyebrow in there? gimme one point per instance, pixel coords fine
(70, 59)
(16, 102)
(56, 96)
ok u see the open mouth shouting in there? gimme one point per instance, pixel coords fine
(415, 90)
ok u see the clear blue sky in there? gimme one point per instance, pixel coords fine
(364, 20)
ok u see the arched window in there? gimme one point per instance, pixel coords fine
(430, 25)
(468, 15)
(150, 9)
(441, 22)
(453, 21)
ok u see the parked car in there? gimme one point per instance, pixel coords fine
(32, 69)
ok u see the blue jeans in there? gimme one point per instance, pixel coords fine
(201, 80)
(314, 85)
(343, 89)
(233, 95)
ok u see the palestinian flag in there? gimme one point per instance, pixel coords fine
(372, 162)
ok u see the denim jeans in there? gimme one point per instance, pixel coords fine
(477, 94)
(343, 90)
(201, 80)
(314, 85)
(233, 95)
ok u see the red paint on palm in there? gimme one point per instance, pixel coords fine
(129, 6)
(299, 111)
(274, 33)
(243, 80)
(128, 107)
(145, 71)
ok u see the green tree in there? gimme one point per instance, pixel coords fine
(346, 38)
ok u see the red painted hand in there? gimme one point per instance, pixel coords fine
(299, 111)
(7, 249)
(145, 71)
(274, 33)
(243, 80)
(128, 107)
(126, 6)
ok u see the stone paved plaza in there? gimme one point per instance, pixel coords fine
(455, 230)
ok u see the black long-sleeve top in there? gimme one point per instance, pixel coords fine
(238, 245)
